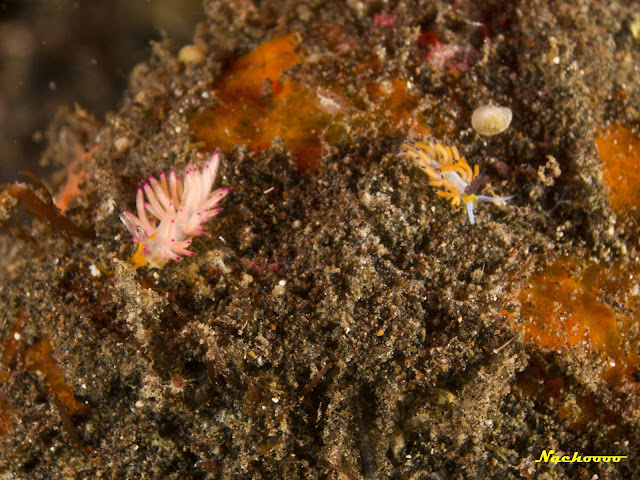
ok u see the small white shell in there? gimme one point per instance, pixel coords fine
(490, 120)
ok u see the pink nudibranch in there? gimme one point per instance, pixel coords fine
(181, 208)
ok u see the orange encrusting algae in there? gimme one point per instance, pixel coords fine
(573, 305)
(619, 151)
(258, 102)
(268, 60)
(247, 116)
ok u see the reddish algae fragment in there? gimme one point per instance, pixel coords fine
(5, 418)
(38, 358)
(76, 176)
(44, 211)
(11, 347)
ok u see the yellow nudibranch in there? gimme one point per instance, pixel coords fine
(450, 172)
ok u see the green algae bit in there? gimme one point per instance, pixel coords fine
(634, 27)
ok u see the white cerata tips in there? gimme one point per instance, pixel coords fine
(181, 206)
(490, 120)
